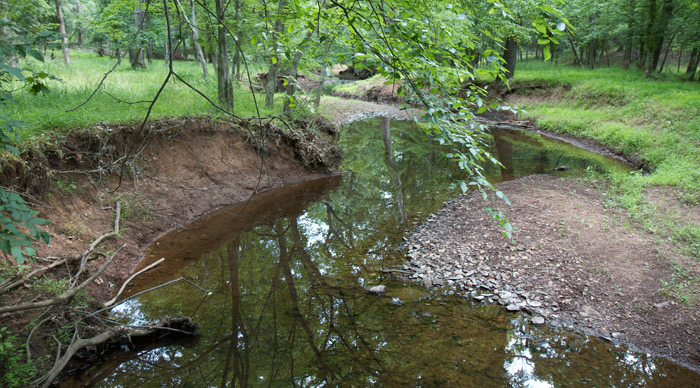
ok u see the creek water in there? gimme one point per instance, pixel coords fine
(278, 282)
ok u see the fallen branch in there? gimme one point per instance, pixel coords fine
(10, 284)
(63, 297)
(183, 324)
(91, 248)
(132, 277)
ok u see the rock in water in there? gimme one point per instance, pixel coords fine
(537, 321)
(377, 290)
(396, 302)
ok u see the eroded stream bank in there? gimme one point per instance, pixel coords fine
(280, 291)
(177, 170)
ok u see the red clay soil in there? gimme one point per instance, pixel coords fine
(184, 169)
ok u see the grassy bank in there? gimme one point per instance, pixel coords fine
(654, 121)
(48, 114)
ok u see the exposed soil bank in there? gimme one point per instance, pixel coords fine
(178, 170)
(573, 261)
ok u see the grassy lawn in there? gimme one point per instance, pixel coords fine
(48, 114)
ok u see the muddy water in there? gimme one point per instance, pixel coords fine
(278, 282)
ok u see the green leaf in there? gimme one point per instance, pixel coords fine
(36, 55)
(17, 254)
(547, 53)
(13, 71)
(274, 60)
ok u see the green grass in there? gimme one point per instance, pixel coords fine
(654, 121)
(47, 114)
(358, 88)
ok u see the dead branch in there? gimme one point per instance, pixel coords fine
(88, 252)
(63, 297)
(121, 289)
(186, 325)
(10, 284)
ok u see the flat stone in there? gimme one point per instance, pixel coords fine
(377, 290)
(512, 308)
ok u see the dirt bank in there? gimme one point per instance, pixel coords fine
(177, 170)
(573, 260)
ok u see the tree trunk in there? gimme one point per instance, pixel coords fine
(236, 64)
(384, 123)
(680, 55)
(668, 47)
(274, 61)
(79, 29)
(628, 53)
(657, 29)
(319, 90)
(693, 63)
(510, 55)
(137, 56)
(592, 49)
(192, 22)
(222, 71)
(166, 53)
(149, 52)
(291, 83)
(62, 28)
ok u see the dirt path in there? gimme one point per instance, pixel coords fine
(573, 261)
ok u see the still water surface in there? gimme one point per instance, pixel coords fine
(277, 284)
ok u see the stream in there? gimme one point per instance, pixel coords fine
(278, 283)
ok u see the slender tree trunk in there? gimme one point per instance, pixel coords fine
(628, 53)
(79, 30)
(291, 83)
(384, 122)
(693, 63)
(274, 61)
(223, 76)
(656, 33)
(680, 55)
(166, 53)
(62, 29)
(592, 50)
(510, 55)
(319, 90)
(192, 22)
(149, 52)
(137, 56)
(236, 64)
(668, 47)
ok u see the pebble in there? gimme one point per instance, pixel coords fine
(537, 321)
(396, 302)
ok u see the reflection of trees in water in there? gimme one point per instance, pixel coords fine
(288, 310)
